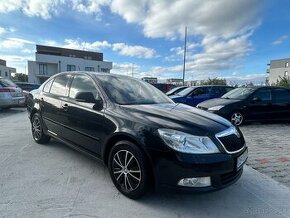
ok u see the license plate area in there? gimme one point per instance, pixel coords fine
(242, 159)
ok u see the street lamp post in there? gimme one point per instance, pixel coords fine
(184, 54)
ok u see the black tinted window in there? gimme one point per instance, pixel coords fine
(281, 95)
(59, 85)
(47, 86)
(82, 83)
(200, 91)
(263, 94)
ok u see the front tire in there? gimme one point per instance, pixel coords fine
(128, 169)
(237, 118)
(37, 130)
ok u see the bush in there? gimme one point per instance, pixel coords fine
(283, 81)
(214, 81)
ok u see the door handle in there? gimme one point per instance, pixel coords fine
(65, 107)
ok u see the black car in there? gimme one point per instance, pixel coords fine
(144, 138)
(251, 104)
(175, 90)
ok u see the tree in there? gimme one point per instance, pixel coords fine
(20, 77)
(214, 81)
(283, 81)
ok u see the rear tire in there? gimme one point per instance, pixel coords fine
(37, 130)
(129, 169)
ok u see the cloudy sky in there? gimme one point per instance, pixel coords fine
(226, 38)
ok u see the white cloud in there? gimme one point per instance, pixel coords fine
(163, 18)
(132, 11)
(82, 45)
(280, 40)
(39, 8)
(89, 6)
(14, 43)
(137, 51)
(6, 30)
(134, 50)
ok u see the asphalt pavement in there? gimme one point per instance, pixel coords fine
(55, 181)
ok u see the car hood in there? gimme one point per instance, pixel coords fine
(216, 102)
(176, 116)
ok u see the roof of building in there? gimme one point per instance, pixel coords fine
(50, 50)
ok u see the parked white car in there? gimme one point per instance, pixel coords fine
(10, 94)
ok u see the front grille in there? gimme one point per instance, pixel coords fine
(232, 142)
(231, 139)
(230, 177)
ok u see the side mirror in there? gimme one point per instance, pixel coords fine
(87, 97)
(98, 105)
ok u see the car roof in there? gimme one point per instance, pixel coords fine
(211, 86)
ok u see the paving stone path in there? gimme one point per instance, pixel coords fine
(269, 149)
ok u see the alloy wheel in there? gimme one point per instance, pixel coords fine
(126, 170)
(36, 128)
(237, 118)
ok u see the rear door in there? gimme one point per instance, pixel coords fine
(54, 92)
(281, 103)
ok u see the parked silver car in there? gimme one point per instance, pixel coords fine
(10, 94)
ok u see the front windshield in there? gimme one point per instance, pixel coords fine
(238, 93)
(126, 91)
(185, 92)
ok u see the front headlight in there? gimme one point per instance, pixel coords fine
(216, 108)
(186, 143)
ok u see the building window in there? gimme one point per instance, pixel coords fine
(104, 70)
(6, 74)
(89, 69)
(286, 73)
(43, 69)
(287, 64)
(0, 72)
(71, 67)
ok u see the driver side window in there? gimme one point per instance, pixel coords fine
(263, 95)
(82, 83)
(198, 92)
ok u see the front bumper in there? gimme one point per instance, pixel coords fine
(221, 168)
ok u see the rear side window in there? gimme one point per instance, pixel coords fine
(82, 83)
(59, 85)
(7, 83)
(47, 86)
(218, 90)
(263, 94)
(281, 95)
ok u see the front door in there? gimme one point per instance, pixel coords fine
(197, 96)
(85, 125)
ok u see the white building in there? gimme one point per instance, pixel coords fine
(51, 60)
(175, 81)
(6, 71)
(278, 68)
(151, 80)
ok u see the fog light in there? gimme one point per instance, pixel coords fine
(195, 182)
